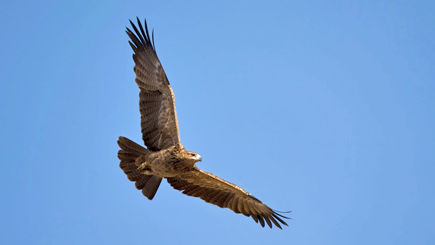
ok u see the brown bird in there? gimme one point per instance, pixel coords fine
(165, 156)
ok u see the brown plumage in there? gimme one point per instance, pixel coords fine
(165, 156)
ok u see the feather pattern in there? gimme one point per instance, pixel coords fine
(156, 98)
(128, 154)
(217, 191)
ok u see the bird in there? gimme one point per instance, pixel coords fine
(164, 155)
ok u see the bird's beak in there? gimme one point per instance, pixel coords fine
(200, 158)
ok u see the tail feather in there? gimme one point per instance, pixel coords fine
(141, 183)
(131, 147)
(128, 154)
(151, 187)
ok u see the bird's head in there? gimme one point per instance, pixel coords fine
(193, 156)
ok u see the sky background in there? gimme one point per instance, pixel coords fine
(324, 108)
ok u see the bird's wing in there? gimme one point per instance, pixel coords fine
(214, 190)
(157, 105)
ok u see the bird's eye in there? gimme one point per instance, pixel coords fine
(192, 154)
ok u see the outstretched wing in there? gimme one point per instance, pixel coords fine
(214, 190)
(157, 105)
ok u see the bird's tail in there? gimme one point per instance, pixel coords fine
(128, 154)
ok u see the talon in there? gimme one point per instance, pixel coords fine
(142, 166)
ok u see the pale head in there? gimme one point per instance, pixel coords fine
(190, 157)
(194, 156)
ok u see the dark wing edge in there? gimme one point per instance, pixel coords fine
(217, 191)
(157, 104)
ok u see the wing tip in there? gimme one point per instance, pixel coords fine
(275, 218)
(140, 36)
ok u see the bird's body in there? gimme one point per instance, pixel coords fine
(166, 163)
(165, 156)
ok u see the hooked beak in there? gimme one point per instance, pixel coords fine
(199, 158)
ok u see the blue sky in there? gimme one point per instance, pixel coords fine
(324, 108)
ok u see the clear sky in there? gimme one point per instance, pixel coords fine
(324, 108)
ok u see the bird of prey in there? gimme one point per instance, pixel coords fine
(165, 156)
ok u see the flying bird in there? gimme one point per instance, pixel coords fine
(165, 156)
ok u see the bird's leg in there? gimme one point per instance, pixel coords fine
(142, 165)
(144, 168)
